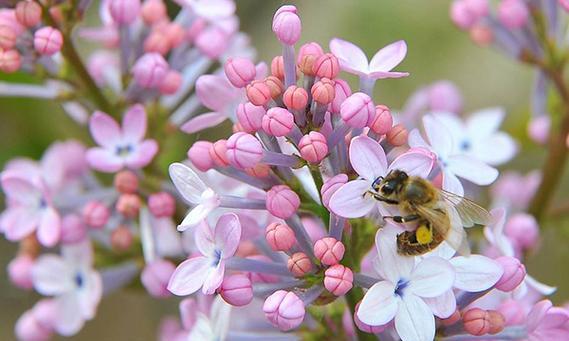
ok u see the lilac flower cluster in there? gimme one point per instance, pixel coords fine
(286, 235)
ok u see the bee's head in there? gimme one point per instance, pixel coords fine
(391, 184)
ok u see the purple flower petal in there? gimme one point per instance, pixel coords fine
(51, 275)
(49, 230)
(134, 124)
(214, 278)
(415, 162)
(142, 154)
(104, 160)
(352, 59)
(349, 200)
(189, 276)
(379, 304)
(442, 306)
(215, 92)
(20, 190)
(388, 57)
(203, 121)
(104, 129)
(367, 158)
(227, 234)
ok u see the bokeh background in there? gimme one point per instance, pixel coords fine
(436, 50)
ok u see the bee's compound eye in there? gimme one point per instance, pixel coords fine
(387, 188)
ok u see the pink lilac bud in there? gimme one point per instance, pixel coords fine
(20, 271)
(476, 322)
(295, 98)
(153, 11)
(244, 150)
(260, 170)
(149, 70)
(523, 229)
(357, 110)
(236, 290)
(497, 322)
(155, 277)
(29, 329)
(128, 205)
(277, 67)
(282, 202)
(397, 136)
(341, 92)
(284, 310)
(96, 214)
(326, 66)
(366, 327)
(275, 85)
(10, 61)
(330, 187)
(383, 121)
(212, 41)
(299, 264)
(73, 230)
(444, 96)
(279, 236)
(126, 182)
(338, 279)
(513, 14)
(286, 25)
(464, 15)
(199, 155)
(195, 29)
(538, 128)
(240, 71)
(218, 153)
(175, 33)
(171, 83)
(258, 92)
(121, 238)
(329, 250)
(48, 41)
(7, 37)
(124, 12)
(157, 42)
(307, 56)
(45, 313)
(452, 319)
(514, 273)
(28, 13)
(323, 91)
(313, 147)
(278, 122)
(250, 116)
(482, 35)
(162, 204)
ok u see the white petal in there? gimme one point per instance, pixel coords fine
(194, 217)
(439, 136)
(483, 123)
(391, 265)
(220, 316)
(351, 201)
(379, 304)
(414, 320)
(189, 276)
(442, 306)
(367, 158)
(352, 59)
(187, 182)
(472, 169)
(543, 289)
(388, 57)
(69, 319)
(475, 273)
(415, 140)
(202, 330)
(431, 277)
(90, 295)
(51, 275)
(78, 253)
(496, 149)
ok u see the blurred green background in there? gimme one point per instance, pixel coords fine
(436, 50)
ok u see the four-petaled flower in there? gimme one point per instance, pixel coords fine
(545, 322)
(120, 147)
(206, 271)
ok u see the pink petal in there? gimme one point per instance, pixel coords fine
(189, 276)
(352, 59)
(215, 92)
(213, 10)
(227, 234)
(188, 312)
(415, 162)
(19, 222)
(134, 124)
(556, 317)
(20, 190)
(537, 314)
(414, 320)
(201, 122)
(104, 160)
(367, 158)
(432, 277)
(49, 229)
(379, 304)
(388, 57)
(349, 200)
(442, 306)
(51, 275)
(104, 129)
(69, 320)
(204, 239)
(416, 140)
(214, 278)
(472, 170)
(385, 75)
(142, 154)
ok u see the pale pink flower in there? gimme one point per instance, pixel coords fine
(545, 322)
(120, 146)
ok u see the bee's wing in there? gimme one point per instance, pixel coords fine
(448, 225)
(470, 212)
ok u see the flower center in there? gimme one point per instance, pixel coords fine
(123, 150)
(400, 287)
(79, 280)
(465, 145)
(216, 257)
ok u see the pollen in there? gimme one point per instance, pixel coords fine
(424, 234)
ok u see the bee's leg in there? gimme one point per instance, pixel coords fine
(380, 198)
(400, 219)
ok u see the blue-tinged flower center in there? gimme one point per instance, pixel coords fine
(216, 257)
(465, 145)
(123, 150)
(79, 280)
(400, 287)
(42, 203)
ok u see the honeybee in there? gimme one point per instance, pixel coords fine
(440, 215)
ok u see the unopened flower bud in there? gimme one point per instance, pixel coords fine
(482, 35)
(466, 13)
(514, 273)
(398, 135)
(157, 42)
(445, 96)
(149, 70)
(153, 11)
(73, 230)
(171, 83)
(277, 67)
(128, 205)
(236, 290)
(250, 116)
(240, 71)
(199, 155)
(341, 92)
(175, 33)
(195, 29)
(95, 214)
(383, 121)
(299, 264)
(275, 85)
(10, 61)
(244, 150)
(538, 128)
(282, 202)
(313, 147)
(28, 328)
(155, 277)
(476, 322)
(212, 41)
(121, 238)
(28, 13)
(323, 91)
(284, 310)
(523, 229)
(124, 12)
(258, 92)
(286, 25)
(326, 66)
(307, 56)
(358, 110)
(162, 204)
(338, 279)
(329, 250)
(278, 122)
(280, 237)
(513, 14)
(48, 41)
(126, 182)
(295, 98)
(20, 271)
(218, 153)
(497, 322)
(7, 38)
(452, 319)
(330, 187)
